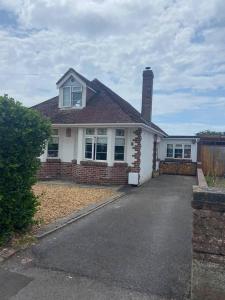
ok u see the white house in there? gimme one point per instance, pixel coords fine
(100, 138)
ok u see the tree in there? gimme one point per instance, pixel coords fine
(210, 133)
(23, 134)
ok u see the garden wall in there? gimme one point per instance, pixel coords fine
(178, 167)
(208, 267)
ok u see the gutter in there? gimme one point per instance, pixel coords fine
(124, 125)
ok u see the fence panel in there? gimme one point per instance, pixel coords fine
(213, 159)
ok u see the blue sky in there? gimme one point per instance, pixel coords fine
(114, 40)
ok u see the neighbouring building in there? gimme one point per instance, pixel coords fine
(99, 138)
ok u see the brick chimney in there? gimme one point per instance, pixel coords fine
(147, 88)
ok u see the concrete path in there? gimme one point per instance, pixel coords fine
(138, 247)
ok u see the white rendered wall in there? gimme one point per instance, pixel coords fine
(147, 143)
(165, 141)
(68, 146)
(73, 147)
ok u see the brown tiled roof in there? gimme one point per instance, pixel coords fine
(104, 106)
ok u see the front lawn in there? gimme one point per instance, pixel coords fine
(60, 200)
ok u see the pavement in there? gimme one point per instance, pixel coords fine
(138, 247)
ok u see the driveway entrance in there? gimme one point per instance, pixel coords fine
(138, 247)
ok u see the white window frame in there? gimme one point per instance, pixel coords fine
(94, 143)
(54, 136)
(71, 89)
(125, 145)
(174, 146)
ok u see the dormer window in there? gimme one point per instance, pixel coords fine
(72, 96)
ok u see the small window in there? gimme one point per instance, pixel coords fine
(66, 96)
(101, 148)
(102, 131)
(119, 149)
(178, 152)
(90, 131)
(53, 146)
(76, 96)
(187, 151)
(169, 152)
(119, 132)
(88, 148)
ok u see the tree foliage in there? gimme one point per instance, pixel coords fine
(23, 134)
(210, 133)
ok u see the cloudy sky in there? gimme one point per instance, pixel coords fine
(113, 40)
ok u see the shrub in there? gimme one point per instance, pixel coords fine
(23, 134)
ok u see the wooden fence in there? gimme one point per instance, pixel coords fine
(211, 153)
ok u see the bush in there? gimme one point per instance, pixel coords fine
(23, 134)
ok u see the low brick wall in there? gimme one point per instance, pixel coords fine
(51, 169)
(178, 167)
(88, 172)
(208, 268)
(100, 173)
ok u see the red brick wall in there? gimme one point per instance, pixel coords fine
(51, 169)
(86, 172)
(100, 173)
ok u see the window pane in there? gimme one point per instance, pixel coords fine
(88, 148)
(102, 131)
(90, 131)
(53, 147)
(66, 96)
(187, 151)
(76, 96)
(101, 149)
(119, 132)
(178, 153)
(169, 152)
(119, 149)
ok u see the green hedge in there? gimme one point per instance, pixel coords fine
(23, 134)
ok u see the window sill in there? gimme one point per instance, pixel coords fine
(53, 159)
(93, 163)
(178, 160)
(120, 164)
(70, 107)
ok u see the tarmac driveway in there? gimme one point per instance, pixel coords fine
(138, 247)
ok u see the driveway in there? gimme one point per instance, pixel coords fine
(138, 247)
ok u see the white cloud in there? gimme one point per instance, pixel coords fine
(114, 40)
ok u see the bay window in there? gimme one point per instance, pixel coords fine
(96, 144)
(119, 145)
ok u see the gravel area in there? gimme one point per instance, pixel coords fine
(57, 201)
